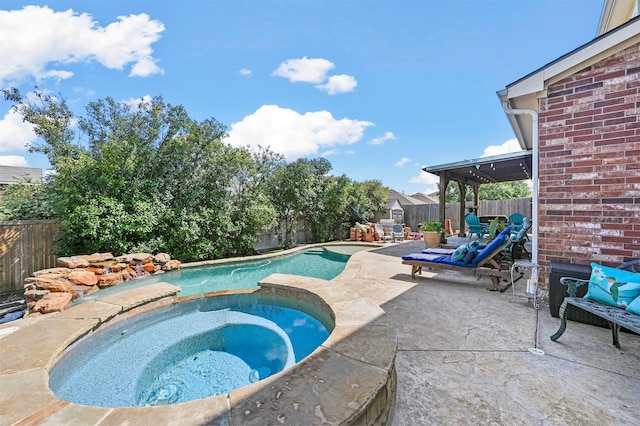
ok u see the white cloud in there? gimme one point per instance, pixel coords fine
(42, 38)
(13, 160)
(307, 70)
(388, 136)
(428, 179)
(339, 84)
(329, 153)
(134, 103)
(292, 134)
(15, 134)
(350, 152)
(245, 71)
(402, 162)
(512, 145)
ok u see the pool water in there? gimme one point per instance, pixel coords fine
(316, 263)
(195, 349)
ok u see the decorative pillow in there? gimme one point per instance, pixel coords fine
(462, 251)
(471, 254)
(611, 286)
(634, 306)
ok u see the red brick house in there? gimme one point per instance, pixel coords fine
(580, 116)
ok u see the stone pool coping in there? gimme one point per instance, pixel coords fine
(349, 379)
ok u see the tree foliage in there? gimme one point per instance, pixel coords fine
(25, 201)
(490, 191)
(147, 177)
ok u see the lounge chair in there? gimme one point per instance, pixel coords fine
(473, 222)
(487, 261)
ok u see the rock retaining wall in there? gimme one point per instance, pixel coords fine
(52, 290)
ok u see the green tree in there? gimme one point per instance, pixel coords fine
(25, 201)
(504, 190)
(368, 197)
(252, 210)
(490, 191)
(327, 201)
(290, 193)
(146, 178)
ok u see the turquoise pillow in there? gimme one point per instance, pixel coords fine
(461, 252)
(634, 307)
(611, 286)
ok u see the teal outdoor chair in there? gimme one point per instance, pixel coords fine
(473, 222)
(515, 222)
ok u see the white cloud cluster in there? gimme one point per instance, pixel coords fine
(15, 134)
(430, 180)
(245, 72)
(512, 145)
(13, 160)
(402, 162)
(295, 135)
(315, 70)
(388, 136)
(41, 41)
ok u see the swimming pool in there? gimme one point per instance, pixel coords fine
(318, 262)
(192, 350)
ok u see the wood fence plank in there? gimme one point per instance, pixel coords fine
(25, 247)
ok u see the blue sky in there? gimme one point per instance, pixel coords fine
(379, 88)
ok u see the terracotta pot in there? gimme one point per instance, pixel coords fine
(431, 239)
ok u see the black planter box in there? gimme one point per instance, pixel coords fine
(557, 292)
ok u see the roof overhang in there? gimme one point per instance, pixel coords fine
(525, 92)
(615, 13)
(509, 167)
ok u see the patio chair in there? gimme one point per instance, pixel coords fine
(515, 222)
(488, 261)
(397, 232)
(473, 222)
(516, 247)
(380, 230)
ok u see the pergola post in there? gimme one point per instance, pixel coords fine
(462, 188)
(476, 197)
(444, 182)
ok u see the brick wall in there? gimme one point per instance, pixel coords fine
(590, 165)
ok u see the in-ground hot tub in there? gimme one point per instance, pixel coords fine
(349, 379)
(192, 350)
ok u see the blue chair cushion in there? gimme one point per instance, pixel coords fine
(497, 242)
(436, 250)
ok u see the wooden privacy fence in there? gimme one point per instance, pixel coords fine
(415, 214)
(25, 247)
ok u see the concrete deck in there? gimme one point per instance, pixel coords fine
(470, 356)
(465, 355)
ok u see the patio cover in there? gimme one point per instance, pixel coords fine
(499, 168)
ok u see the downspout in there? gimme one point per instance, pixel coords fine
(534, 163)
